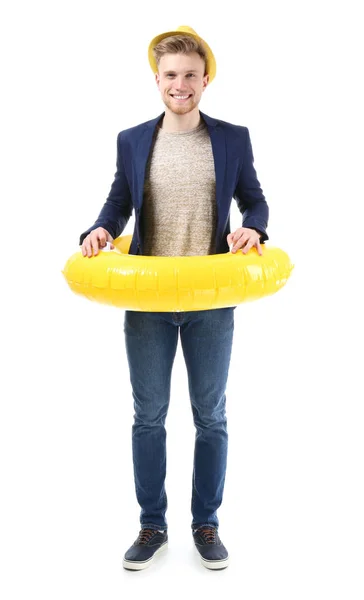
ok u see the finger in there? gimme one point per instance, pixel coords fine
(240, 243)
(259, 248)
(95, 245)
(247, 247)
(252, 242)
(105, 237)
(235, 246)
(88, 247)
(102, 238)
(236, 237)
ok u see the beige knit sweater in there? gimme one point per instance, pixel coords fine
(179, 207)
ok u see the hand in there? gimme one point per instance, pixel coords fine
(245, 237)
(94, 240)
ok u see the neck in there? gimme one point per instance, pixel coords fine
(172, 122)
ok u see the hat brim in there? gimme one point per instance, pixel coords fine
(211, 63)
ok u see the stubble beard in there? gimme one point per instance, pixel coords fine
(180, 109)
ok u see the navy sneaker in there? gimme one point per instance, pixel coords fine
(211, 549)
(141, 554)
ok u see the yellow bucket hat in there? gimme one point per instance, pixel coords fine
(186, 30)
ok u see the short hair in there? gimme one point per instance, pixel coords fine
(179, 44)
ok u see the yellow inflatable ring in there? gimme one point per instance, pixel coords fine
(176, 283)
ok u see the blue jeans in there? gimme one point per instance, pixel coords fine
(151, 343)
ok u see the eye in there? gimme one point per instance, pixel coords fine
(192, 74)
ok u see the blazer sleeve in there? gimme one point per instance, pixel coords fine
(118, 207)
(249, 196)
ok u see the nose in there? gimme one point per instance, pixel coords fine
(178, 83)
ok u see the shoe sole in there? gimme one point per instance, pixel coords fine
(214, 564)
(133, 565)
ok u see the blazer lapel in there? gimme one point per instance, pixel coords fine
(218, 142)
(142, 155)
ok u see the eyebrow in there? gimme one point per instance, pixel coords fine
(187, 71)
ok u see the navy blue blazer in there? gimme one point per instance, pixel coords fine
(235, 178)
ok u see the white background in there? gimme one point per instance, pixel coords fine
(74, 74)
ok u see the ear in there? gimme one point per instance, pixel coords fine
(157, 79)
(205, 81)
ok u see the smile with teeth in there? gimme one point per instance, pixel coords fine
(180, 97)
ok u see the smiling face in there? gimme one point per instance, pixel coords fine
(181, 81)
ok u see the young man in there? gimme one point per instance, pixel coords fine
(179, 172)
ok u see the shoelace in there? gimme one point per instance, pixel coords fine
(208, 535)
(145, 535)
